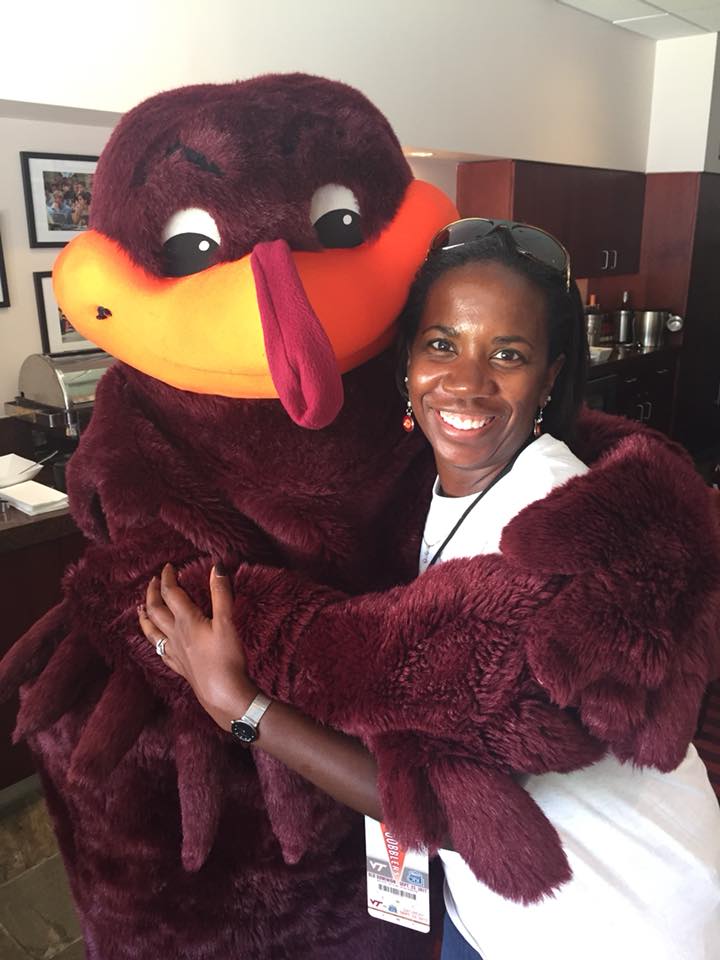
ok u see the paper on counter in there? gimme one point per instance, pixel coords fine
(32, 497)
(15, 469)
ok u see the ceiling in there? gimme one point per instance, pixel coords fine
(661, 20)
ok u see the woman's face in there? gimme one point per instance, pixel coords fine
(478, 371)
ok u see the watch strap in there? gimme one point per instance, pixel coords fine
(257, 708)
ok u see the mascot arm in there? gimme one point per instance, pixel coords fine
(439, 692)
(476, 687)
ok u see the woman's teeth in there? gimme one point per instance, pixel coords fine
(462, 423)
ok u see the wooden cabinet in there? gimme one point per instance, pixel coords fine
(596, 214)
(681, 268)
(645, 392)
(31, 570)
(661, 394)
(640, 388)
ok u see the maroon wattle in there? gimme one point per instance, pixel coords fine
(301, 358)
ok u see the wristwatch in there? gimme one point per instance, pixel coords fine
(246, 728)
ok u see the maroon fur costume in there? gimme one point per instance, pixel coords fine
(166, 823)
(596, 629)
(139, 782)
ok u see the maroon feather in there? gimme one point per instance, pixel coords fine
(122, 712)
(73, 666)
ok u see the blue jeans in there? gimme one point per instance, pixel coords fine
(454, 945)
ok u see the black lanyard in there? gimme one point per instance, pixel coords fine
(503, 473)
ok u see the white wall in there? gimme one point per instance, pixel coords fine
(521, 78)
(440, 171)
(681, 105)
(712, 154)
(19, 327)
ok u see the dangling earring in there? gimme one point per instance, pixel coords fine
(408, 421)
(537, 429)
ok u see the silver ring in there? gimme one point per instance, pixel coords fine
(160, 646)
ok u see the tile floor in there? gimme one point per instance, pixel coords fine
(37, 918)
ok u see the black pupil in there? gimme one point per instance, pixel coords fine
(339, 228)
(188, 253)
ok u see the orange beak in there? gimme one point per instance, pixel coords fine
(205, 332)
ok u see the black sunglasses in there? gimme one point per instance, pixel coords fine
(529, 241)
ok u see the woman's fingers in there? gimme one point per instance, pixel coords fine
(221, 596)
(152, 633)
(177, 601)
(155, 608)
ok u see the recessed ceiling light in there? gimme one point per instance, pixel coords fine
(419, 153)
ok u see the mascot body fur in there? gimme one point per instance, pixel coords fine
(251, 246)
(177, 840)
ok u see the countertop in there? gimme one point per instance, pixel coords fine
(18, 529)
(623, 355)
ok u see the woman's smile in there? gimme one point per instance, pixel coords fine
(464, 423)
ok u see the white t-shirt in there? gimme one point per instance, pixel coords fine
(644, 846)
(543, 465)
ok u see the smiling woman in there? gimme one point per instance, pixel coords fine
(486, 337)
(516, 745)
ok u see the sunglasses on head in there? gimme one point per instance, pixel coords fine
(529, 241)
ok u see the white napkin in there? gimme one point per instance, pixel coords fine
(33, 497)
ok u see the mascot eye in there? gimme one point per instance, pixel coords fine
(335, 215)
(190, 239)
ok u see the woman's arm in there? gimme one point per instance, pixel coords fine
(208, 653)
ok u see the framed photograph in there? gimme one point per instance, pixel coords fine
(4, 293)
(58, 193)
(58, 334)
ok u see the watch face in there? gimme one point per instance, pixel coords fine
(245, 732)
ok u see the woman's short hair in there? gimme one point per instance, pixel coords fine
(564, 313)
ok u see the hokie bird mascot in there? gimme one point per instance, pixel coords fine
(250, 246)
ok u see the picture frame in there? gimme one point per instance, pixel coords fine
(58, 195)
(56, 331)
(4, 292)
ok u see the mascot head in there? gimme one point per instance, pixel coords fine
(250, 240)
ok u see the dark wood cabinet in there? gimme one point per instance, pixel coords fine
(631, 399)
(596, 214)
(681, 268)
(640, 388)
(660, 395)
(645, 392)
(33, 558)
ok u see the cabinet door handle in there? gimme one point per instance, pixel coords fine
(641, 408)
(649, 413)
(661, 372)
(630, 380)
(717, 399)
(606, 259)
(614, 262)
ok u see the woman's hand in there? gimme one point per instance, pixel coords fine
(208, 653)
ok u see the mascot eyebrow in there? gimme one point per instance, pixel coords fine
(192, 156)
